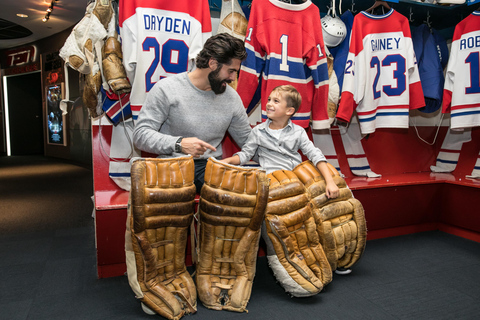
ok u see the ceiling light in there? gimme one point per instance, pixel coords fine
(22, 15)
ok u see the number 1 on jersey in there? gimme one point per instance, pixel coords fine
(284, 63)
(473, 60)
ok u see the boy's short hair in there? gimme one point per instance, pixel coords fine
(293, 97)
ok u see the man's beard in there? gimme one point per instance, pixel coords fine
(216, 83)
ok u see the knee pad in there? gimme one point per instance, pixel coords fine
(294, 251)
(340, 222)
(160, 212)
(231, 211)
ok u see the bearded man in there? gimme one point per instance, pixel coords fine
(189, 113)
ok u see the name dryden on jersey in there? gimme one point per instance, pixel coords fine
(166, 24)
(470, 42)
(385, 44)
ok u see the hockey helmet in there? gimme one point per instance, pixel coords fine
(334, 30)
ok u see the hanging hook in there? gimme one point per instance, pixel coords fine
(428, 22)
(353, 7)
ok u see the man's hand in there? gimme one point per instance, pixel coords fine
(195, 147)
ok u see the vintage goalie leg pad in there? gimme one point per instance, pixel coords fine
(340, 222)
(298, 260)
(162, 203)
(232, 207)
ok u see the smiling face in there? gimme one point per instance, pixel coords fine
(223, 75)
(277, 107)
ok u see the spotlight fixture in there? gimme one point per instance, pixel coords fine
(49, 11)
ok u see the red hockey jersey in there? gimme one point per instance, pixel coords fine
(284, 43)
(381, 80)
(461, 94)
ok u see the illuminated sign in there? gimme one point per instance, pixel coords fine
(21, 56)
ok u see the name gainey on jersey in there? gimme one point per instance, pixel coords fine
(166, 24)
(385, 44)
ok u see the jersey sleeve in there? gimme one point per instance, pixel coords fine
(450, 76)
(316, 61)
(253, 66)
(353, 79)
(416, 96)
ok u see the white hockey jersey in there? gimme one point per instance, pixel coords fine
(381, 80)
(461, 94)
(160, 38)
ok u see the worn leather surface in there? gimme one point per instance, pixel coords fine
(340, 222)
(298, 260)
(231, 210)
(161, 211)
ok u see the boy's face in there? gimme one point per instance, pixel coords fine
(277, 108)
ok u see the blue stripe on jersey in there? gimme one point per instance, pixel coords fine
(367, 119)
(381, 114)
(377, 17)
(253, 62)
(466, 113)
(292, 118)
(447, 161)
(320, 73)
(360, 168)
(296, 70)
(119, 174)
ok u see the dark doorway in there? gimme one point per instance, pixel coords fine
(25, 114)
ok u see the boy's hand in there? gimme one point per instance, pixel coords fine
(332, 191)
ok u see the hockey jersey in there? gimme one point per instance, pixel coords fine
(285, 45)
(160, 38)
(381, 80)
(461, 94)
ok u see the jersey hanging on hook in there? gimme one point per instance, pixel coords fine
(461, 94)
(282, 49)
(388, 86)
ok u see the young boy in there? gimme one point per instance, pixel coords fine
(279, 139)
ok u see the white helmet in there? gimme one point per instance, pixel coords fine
(333, 29)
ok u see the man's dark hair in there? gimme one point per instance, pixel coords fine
(223, 48)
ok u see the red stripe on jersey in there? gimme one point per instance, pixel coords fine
(465, 106)
(127, 8)
(471, 26)
(447, 101)
(347, 105)
(417, 99)
(449, 151)
(356, 156)
(136, 107)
